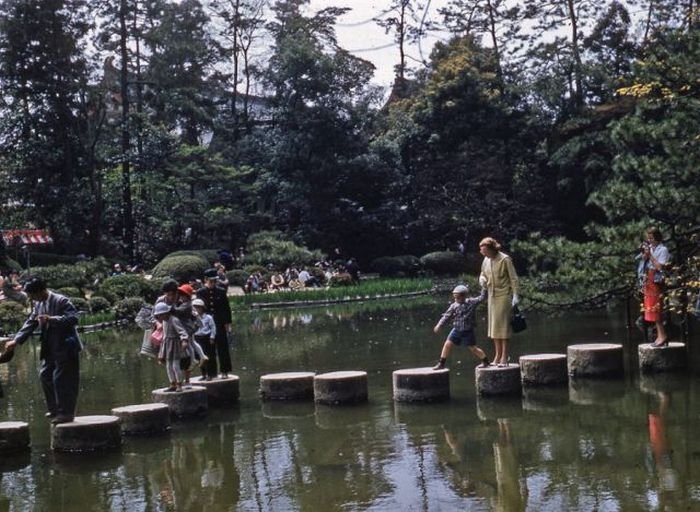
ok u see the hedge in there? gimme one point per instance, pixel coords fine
(12, 316)
(119, 287)
(181, 267)
(391, 266)
(128, 308)
(444, 262)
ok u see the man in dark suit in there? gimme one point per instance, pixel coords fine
(216, 303)
(57, 318)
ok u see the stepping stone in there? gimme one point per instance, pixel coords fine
(14, 437)
(87, 434)
(287, 386)
(595, 360)
(221, 392)
(662, 359)
(345, 387)
(543, 369)
(143, 419)
(421, 385)
(184, 404)
(498, 380)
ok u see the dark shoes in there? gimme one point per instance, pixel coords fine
(484, 363)
(61, 418)
(660, 344)
(439, 366)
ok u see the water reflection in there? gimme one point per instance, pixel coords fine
(666, 475)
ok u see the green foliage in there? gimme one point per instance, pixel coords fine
(237, 277)
(7, 263)
(80, 303)
(126, 309)
(63, 276)
(115, 288)
(391, 266)
(12, 316)
(340, 280)
(70, 291)
(98, 304)
(181, 268)
(211, 255)
(271, 247)
(444, 262)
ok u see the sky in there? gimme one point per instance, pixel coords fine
(359, 34)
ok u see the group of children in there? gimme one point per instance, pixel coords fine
(184, 325)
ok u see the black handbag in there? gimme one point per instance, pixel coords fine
(517, 320)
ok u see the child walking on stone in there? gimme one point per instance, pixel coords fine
(462, 312)
(175, 345)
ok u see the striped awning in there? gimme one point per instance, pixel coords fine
(14, 237)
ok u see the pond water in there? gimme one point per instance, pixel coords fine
(627, 444)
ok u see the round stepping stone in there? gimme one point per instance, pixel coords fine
(221, 392)
(87, 434)
(662, 359)
(421, 385)
(543, 369)
(143, 419)
(345, 387)
(287, 386)
(184, 404)
(498, 380)
(595, 360)
(14, 437)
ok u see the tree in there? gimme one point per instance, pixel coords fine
(401, 18)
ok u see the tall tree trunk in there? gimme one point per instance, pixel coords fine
(142, 198)
(127, 206)
(236, 4)
(578, 66)
(496, 48)
(647, 24)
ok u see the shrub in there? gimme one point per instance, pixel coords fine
(126, 309)
(237, 277)
(7, 263)
(115, 288)
(211, 255)
(181, 268)
(271, 247)
(12, 315)
(70, 291)
(80, 303)
(62, 276)
(252, 269)
(411, 264)
(444, 262)
(389, 266)
(98, 304)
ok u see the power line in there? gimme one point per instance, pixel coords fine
(373, 48)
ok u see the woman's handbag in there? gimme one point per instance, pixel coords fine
(157, 335)
(147, 348)
(517, 320)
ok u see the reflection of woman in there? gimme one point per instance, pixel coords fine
(659, 445)
(654, 256)
(499, 278)
(510, 496)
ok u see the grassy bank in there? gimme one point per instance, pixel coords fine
(370, 289)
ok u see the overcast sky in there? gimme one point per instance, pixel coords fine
(358, 33)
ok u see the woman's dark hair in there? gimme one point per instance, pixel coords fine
(655, 233)
(170, 285)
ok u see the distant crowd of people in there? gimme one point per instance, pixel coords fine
(297, 277)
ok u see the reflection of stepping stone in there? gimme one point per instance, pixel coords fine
(87, 434)
(543, 369)
(287, 386)
(346, 387)
(421, 385)
(185, 403)
(221, 392)
(498, 380)
(662, 359)
(143, 418)
(14, 437)
(595, 360)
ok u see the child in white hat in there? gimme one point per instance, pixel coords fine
(175, 346)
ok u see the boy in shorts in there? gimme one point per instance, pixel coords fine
(462, 313)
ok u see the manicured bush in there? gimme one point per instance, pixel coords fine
(7, 263)
(115, 288)
(411, 264)
(12, 316)
(181, 268)
(268, 247)
(126, 309)
(211, 255)
(237, 277)
(80, 303)
(444, 262)
(252, 269)
(389, 266)
(342, 279)
(70, 291)
(62, 276)
(98, 304)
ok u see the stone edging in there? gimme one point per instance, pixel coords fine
(302, 303)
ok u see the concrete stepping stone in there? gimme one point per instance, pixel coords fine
(498, 380)
(593, 360)
(87, 434)
(221, 391)
(14, 437)
(184, 404)
(543, 369)
(343, 387)
(421, 385)
(143, 419)
(287, 386)
(671, 358)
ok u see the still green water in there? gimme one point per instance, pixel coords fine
(627, 444)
